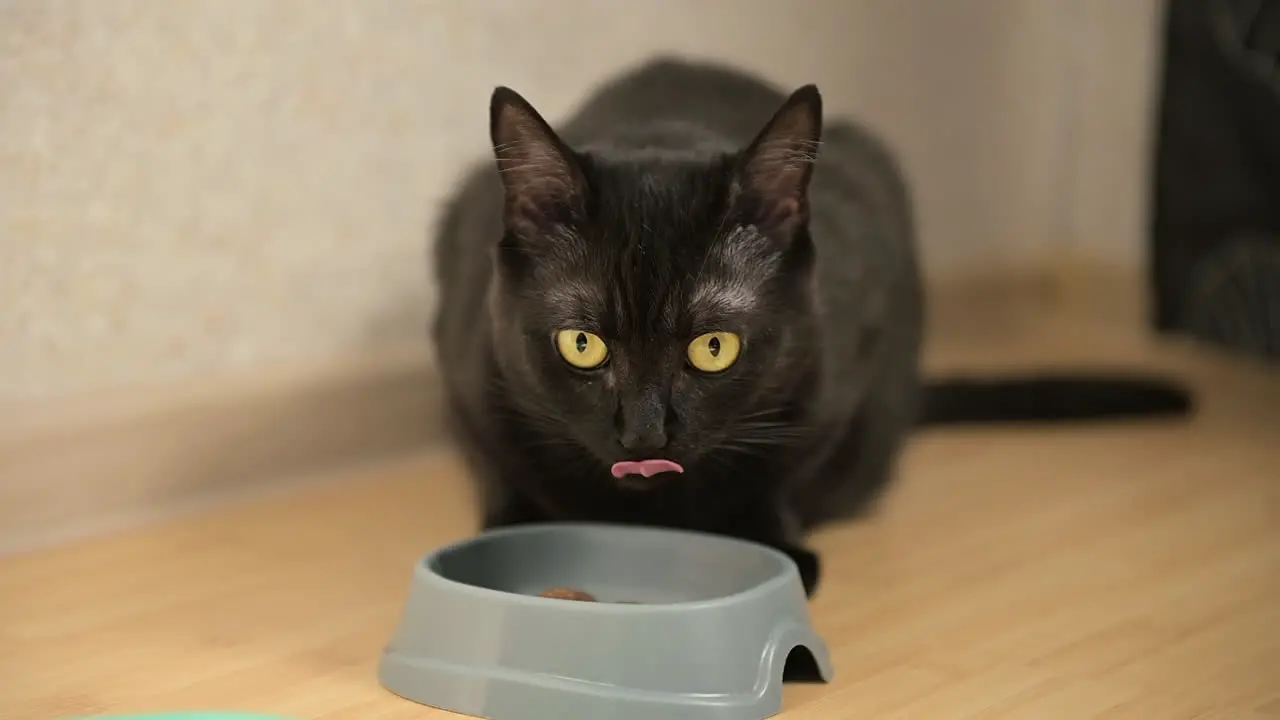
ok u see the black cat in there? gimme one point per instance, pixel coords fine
(672, 313)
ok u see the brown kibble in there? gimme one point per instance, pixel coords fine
(567, 594)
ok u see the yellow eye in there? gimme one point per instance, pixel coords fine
(714, 352)
(581, 349)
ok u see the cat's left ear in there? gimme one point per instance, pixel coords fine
(540, 174)
(772, 177)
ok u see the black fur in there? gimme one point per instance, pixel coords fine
(1047, 398)
(684, 198)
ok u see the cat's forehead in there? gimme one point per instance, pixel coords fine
(637, 200)
(659, 255)
(651, 286)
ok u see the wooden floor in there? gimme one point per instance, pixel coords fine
(1109, 572)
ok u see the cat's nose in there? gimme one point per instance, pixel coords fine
(642, 426)
(645, 439)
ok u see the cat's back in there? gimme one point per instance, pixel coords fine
(859, 196)
(666, 92)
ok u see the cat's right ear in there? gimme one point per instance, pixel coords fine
(541, 177)
(773, 174)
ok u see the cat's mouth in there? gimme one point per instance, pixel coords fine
(630, 469)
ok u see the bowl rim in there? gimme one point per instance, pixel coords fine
(786, 573)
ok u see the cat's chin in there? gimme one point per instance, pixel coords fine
(640, 483)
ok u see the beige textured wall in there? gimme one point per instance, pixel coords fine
(193, 187)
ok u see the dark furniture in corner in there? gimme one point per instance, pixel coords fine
(1214, 237)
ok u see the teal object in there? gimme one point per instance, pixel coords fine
(191, 716)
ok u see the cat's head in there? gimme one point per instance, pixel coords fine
(656, 306)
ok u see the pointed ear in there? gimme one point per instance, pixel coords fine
(773, 172)
(541, 177)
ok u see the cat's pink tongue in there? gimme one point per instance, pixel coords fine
(647, 468)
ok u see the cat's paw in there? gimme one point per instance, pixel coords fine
(809, 565)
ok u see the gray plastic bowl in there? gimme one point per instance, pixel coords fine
(719, 620)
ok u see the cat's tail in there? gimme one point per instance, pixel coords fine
(1052, 398)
